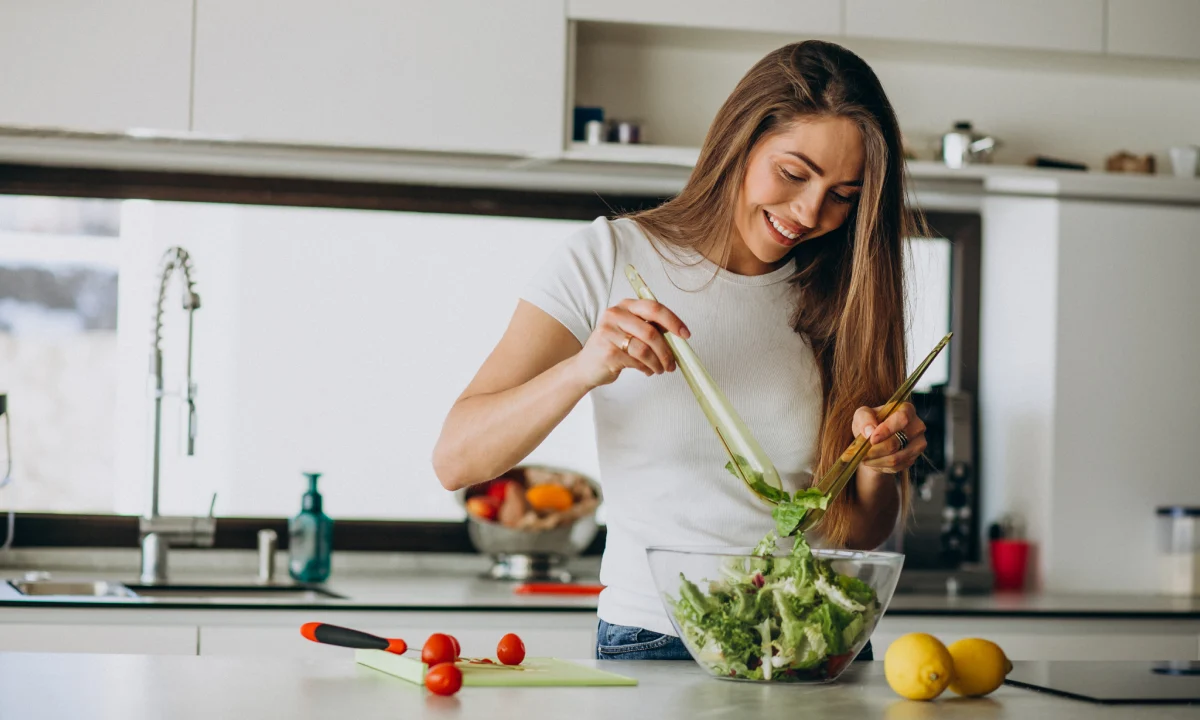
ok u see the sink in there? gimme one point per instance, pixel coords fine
(106, 589)
(60, 587)
(235, 592)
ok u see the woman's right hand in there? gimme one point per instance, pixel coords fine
(629, 335)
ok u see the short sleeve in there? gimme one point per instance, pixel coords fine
(574, 284)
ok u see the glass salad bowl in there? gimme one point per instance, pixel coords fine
(774, 615)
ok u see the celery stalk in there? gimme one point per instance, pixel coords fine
(747, 458)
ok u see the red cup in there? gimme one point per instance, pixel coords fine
(1010, 563)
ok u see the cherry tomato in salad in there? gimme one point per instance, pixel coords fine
(837, 662)
(438, 649)
(457, 647)
(510, 651)
(443, 679)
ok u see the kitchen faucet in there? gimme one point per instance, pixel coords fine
(158, 533)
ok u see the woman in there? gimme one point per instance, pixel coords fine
(780, 261)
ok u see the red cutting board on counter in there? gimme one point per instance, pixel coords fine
(538, 672)
(551, 588)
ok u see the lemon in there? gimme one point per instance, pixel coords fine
(918, 666)
(979, 667)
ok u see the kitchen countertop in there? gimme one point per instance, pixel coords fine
(1049, 605)
(138, 687)
(428, 590)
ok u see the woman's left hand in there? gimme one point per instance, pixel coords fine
(888, 454)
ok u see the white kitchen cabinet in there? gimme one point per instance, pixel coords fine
(276, 633)
(815, 17)
(454, 75)
(98, 638)
(96, 66)
(1154, 28)
(1069, 25)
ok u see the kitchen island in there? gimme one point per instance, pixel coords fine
(144, 687)
(466, 591)
(412, 602)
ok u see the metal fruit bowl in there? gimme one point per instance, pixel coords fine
(532, 554)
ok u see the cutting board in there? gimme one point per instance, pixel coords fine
(543, 672)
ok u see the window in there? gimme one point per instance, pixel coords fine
(59, 261)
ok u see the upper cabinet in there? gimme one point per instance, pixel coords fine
(1070, 25)
(1154, 28)
(814, 17)
(96, 66)
(452, 75)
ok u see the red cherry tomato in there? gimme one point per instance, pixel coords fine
(438, 649)
(457, 647)
(443, 679)
(838, 662)
(510, 651)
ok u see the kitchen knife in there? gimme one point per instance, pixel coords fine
(345, 637)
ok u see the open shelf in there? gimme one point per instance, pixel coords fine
(636, 154)
(932, 175)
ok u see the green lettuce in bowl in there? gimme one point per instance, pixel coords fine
(763, 615)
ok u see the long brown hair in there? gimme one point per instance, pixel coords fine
(849, 282)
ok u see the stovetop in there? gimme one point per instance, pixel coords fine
(1175, 682)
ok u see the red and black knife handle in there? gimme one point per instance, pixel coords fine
(345, 637)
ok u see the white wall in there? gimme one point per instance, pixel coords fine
(1017, 341)
(328, 340)
(336, 341)
(1088, 380)
(210, 235)
(1078, 107)
(1128, 387)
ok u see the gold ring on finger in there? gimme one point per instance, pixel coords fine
(625, 345)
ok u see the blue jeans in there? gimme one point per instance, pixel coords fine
(622, 642)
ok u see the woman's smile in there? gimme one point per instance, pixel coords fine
(783, 232)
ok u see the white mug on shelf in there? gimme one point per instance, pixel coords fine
(1184, 159)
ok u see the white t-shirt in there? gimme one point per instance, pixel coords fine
(662, 468)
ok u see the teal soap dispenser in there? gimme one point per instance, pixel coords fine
(310, 538)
